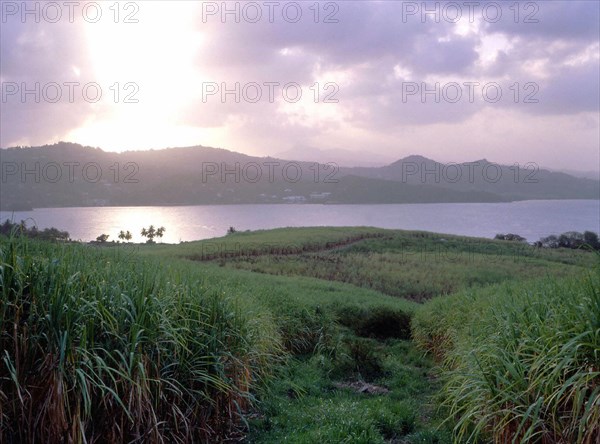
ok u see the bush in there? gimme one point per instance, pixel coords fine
(548, 242)
(358, 358)
(304, 331)
(591, 239)
(102, 238)
(377, 322)
(510, 237)
(9, 228)
(572, 240)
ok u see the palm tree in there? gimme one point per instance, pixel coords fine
(121, 235)
(150, 233)
(128, 236)
(160, 232)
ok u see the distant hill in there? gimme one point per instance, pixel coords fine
(341, 157)
(595, 175)
(516, 182)
(67, 174)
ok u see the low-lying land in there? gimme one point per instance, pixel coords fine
(408, 264)
(358, 335)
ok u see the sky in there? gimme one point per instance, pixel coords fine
(359, 81)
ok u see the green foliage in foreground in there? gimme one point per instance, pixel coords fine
(495, 349)
(310, 316)
(520, 363)
(101, 344)
(94, 347)
(124, 342)
(307, 405)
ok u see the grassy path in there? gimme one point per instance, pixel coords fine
(321, 345)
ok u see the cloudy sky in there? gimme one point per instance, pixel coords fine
(382, 80)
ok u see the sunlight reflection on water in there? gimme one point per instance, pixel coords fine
(531, 219)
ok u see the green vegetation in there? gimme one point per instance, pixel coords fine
(196, 176)
(300, 335)
(520, 363)
(510, 237)
(125, 235)
(571, 239)
(411, 265)
(102, 238)
(8, 228)
(282, 241)
(94, 347)
(151, 232)
(306, 405)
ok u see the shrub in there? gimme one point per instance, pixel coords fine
(304, 331)
(9, 228)
(102, 238)
(358, 358)
(510, 237)
(591, 239)
(571, 239)
(377, 322)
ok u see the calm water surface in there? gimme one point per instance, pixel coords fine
(531, 219)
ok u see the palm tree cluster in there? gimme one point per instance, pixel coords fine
(125, 235)
(152, 232)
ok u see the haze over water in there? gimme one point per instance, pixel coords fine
(530, 219)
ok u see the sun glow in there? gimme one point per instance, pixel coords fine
(148, 73)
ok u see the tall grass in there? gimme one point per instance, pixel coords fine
(521, 364)
(409, 264)
(407, 274)
(283, 241)
(98, 349)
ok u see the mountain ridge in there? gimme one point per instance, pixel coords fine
(69, 174)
